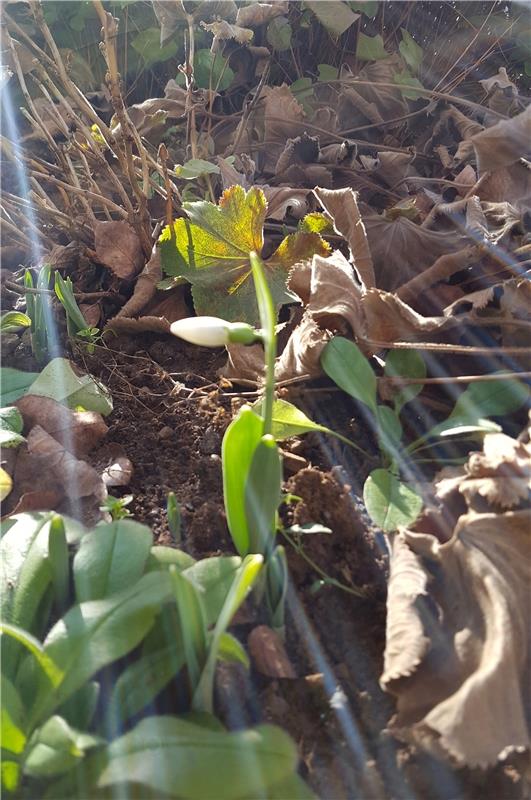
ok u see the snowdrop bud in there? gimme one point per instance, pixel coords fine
(213, 331)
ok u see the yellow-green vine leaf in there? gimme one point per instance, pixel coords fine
(210, 249)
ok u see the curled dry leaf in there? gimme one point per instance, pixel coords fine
(78, 431)
(457, 651)
(342, 207)
(282, 200)
(504, 143)
(401, 249)
(118, 247)
(269, 654)
(259, 13)
(145, 288)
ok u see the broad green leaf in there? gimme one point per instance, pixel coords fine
(28, 567)
(326, 72)
(239, 443)
(490, 399)
(243, 582)
(411, 52)
(211, 250)
(59, 560)
(147, 45)
(6, 484)
(12, 321)
(14, 384)
(262, 495)
(93, 634)
(168, 754)
(214, 576)
(193, 169)
(458, 426)
(344, 362)
(56, 747)
(13, 737)
(10, 771)
(390, 503)
(49, 668)
(64, 289)
(279, 33)
(336, 16)
(141, 682)
(370, 48)
(192, 618)
(211, 70)
(410, 87)
(288, 420)
(405, 364)
(302, 90)
(112, 558)
(161, 557)
(59, 381)
(80, 707)
(367, 7)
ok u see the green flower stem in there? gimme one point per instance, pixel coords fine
(269, 336)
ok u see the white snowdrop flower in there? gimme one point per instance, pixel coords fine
(213, 331)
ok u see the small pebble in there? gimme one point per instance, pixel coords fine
(165, 433)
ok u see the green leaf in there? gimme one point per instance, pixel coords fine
(147, 45)
(193, 169)
(165, 752)
(370, 48)
(336, 17)
(13, 737)
(389, 502)
(288, 420)
(411, 52)
(64, 289)
(211, 251)
(214, 576)
(10, 774)
(344, 362)
(230, 649)
(239, 443)
(95, 633)
(141, 682)
(244, 579)
(192, 618)
(59, 381)
(405, 364)
(12, 321)
(49, 668)
(279, 33)
(367, 7)
(277, 587)
(56, 747)
(302, 90)
(161, 557)
(263, 491)
(58, 558)
(410, 87)
(326, 72)
(26, 571)
(14, 384)
(316, 223)
(80, 707)
(490, 399)
(11, 425)
(212, 70)
(112, 558)
(389, 429)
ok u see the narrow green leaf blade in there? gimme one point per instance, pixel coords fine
(239, 443)
(405, 364)
(263, 494)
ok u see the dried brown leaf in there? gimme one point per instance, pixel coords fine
(145, 288)
(282, 200)
(504, 143)
(341, 205)
(464, 692)
(78, 431)
(259, 13)
(269, 654)
(118, 247)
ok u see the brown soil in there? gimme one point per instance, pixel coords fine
(170, 416)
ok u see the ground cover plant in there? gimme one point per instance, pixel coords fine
(265, 459)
